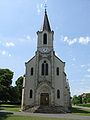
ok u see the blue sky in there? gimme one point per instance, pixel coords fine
(70, 20)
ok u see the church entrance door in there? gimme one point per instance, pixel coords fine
(44, 99)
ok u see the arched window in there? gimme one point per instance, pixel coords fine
(32, 71)
(58, 93)
(45, 38)
(57, 71)
(44, 68)
(31, 93)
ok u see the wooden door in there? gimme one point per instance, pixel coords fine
(44, 99)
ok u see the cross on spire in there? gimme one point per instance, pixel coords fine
(45, 8)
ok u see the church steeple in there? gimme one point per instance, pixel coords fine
(45, 36)
(46, 25)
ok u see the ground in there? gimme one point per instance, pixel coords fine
(9, 113)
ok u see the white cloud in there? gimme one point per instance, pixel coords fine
(86, 67)
(84, 40)
(80, 40)
(70, 41)
(6, 42)
(26, 38)
(88, 70)
(9, 55)
(9, 44)
(87, 76)
(73, 59)
(82, 66)
(3, 52)
(46, 1)
(73, 64)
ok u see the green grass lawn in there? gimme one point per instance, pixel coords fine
(84, 105)
(9, 107)
(29, 118)
(79, 111)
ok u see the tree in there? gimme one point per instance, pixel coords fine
(80, 99)
(19, 86)
(6, 76)
(86, 98)
(75, 100)
(14, 96)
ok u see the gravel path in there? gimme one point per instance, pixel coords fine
(68, 116)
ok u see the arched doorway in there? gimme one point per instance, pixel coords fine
(44, 99)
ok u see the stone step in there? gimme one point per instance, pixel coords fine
(46, 109)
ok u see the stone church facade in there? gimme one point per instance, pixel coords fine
(45, 81)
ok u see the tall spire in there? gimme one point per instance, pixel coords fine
(46, 25)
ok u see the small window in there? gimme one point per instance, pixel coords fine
(32, 71)
(57, 71)
(45, 38)
(58, 94)
(31, 93)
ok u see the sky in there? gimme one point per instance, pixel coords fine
(70, 21)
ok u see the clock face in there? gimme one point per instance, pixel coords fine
(45, 49)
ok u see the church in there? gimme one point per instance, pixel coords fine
(45, 82)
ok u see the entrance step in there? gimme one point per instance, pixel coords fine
(46, 109)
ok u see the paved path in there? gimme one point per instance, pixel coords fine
(68, 116)
(84, 108)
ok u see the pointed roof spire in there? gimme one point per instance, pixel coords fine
(46, 25)
(45, 8)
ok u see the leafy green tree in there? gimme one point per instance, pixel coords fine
(88, 100)
(19, 86)
(14, 96)
(6, 76)
(84, 100)
(88, 97)
(75, 100)
(80, 99)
